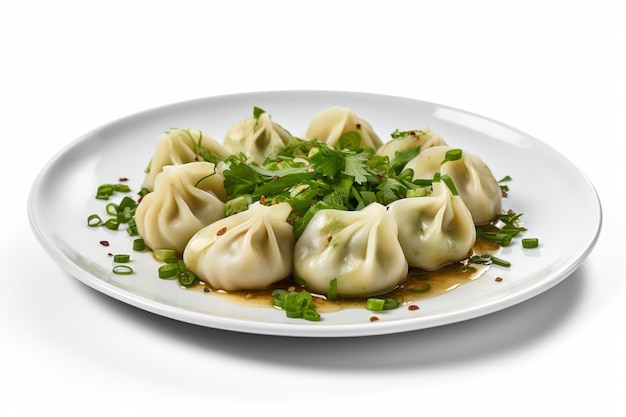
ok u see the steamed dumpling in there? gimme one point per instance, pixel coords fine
(185, 199)
(256, 137)
(330, 124)
(434, 230)
(473, 179)
(179, 146)
(248, 250)
(411, 139)
(358, 248)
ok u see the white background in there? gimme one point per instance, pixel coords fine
(552, 69)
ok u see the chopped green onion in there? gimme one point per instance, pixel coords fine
(122, 270)
(311, 314)
(186, 278)
(332, 289)
(237, 204)
(416, 192)
(374, 304)
(121, 258)
(168, 271)
(278, 297)
(105, 191)
(139, 245)
(449, 183)
(500, 262)
(391, 303)
(132, 228)
(487, 259)
(297, 304)
(112, 224)
(452, 155)
(501, 239)
(349, 140)
(111, 209)
(530, 242)
(165, 255)
(94, 220)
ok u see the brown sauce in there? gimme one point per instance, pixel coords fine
(418, 285)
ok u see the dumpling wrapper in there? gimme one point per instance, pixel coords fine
(256, 137)
(185, 199)
(246, 251)
(358, 248)
(472, 178)
(434, 230)
(423, 139)
(177, 147)
(330, 124)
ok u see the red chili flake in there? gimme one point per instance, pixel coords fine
(329, 238)
(104, 242)
(411, 133)
(358, 125)
(374, 318)
(413, 307)
(262, 199)
(498, 279)
(109, 254)
(122, 179)
(221, 231)
(275, 177)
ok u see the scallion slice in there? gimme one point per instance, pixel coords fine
(121, 258)
(139, 245)
(500, 262)
(94, 220)
(530, 242)
(168, 271)
(122, 270)
(375, 304)
(165, 255)
(332, 289)
(452, 155)
(186, 278)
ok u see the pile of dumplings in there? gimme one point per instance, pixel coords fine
(366, 252)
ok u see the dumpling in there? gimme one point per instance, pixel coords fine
(179, 146)
(331, 124)
(473, 179)
(411, 139)
(248, 250)
(185, 199)
(256, 137)
(434, 230)
(358, 248)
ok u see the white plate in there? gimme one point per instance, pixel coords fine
(559, 206)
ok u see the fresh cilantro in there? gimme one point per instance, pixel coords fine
(401, 158)
(356, 166)
(257, 111)
(313, 176)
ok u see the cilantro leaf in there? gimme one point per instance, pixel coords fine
(356, 166)
(327, 161)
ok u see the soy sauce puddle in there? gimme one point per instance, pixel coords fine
(418, 285)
